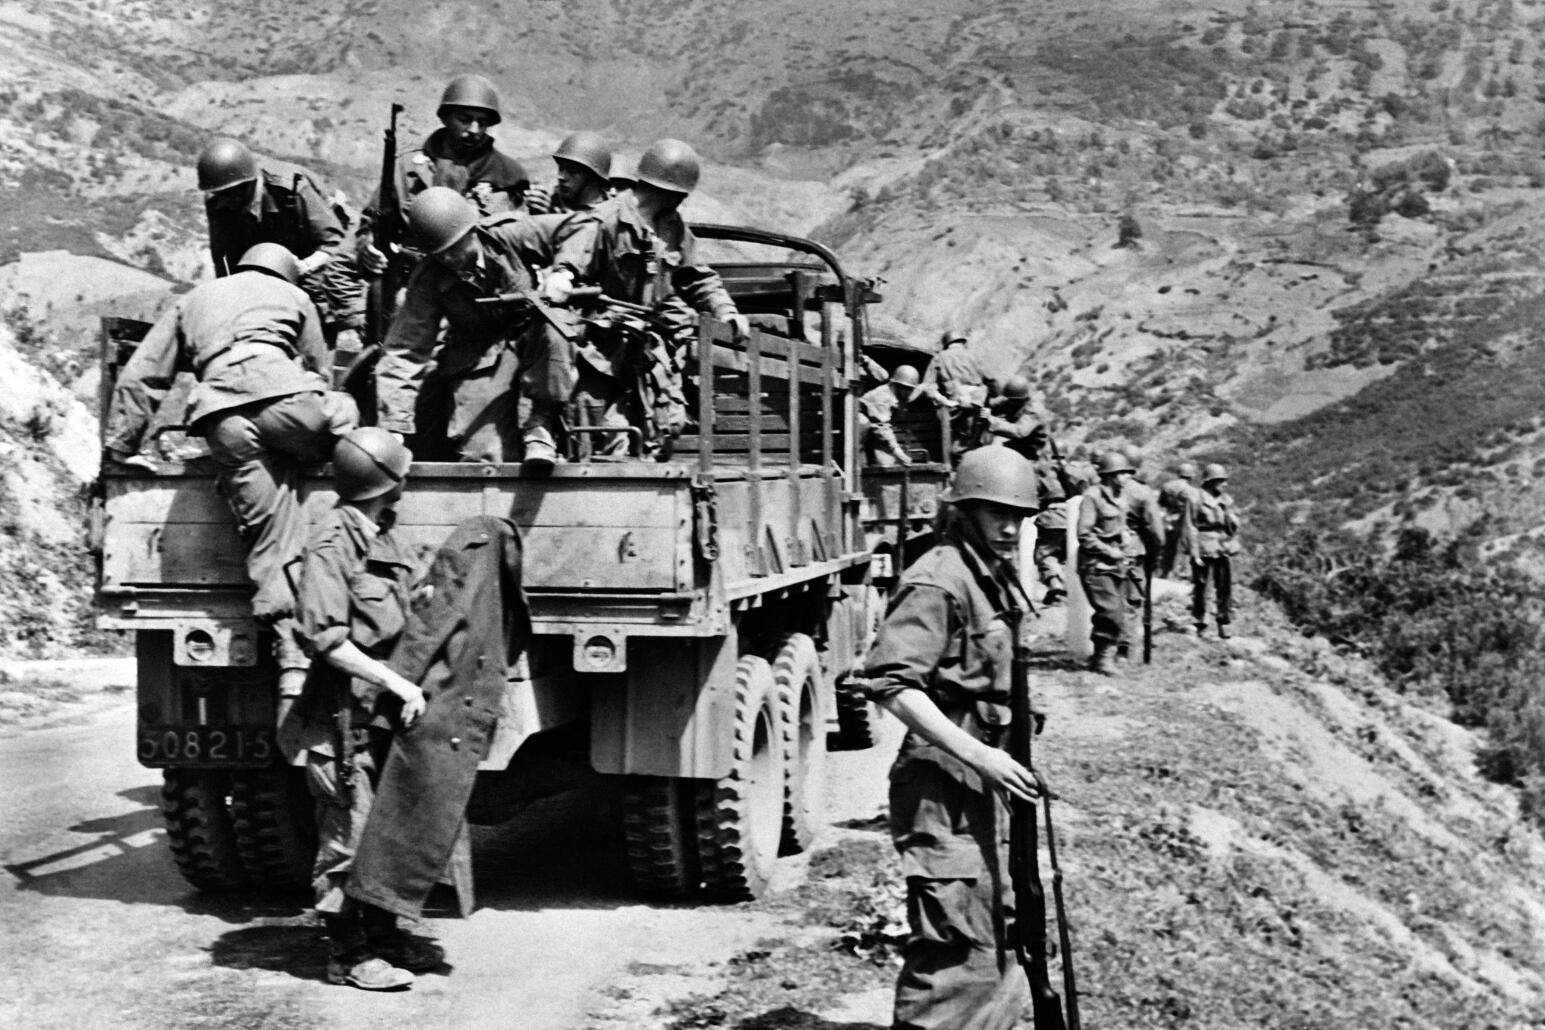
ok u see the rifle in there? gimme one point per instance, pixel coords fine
(1024, 867)
(1064, 934)
(388, 227)
(1148, 562)
(1069, 488)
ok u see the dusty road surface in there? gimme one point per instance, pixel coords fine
(99, 930)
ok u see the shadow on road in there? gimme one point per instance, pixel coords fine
(299, 949)
(562, 852)
(787, 1018)
(126, 860)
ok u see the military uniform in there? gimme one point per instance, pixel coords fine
(944, 635)
(1051, 527)
(1012, 422)
(486, 347)
(1211, 526)
(1174, 497)
(615, 247)
(1114, 535)
(881, 447)
(288, 208)
(255, 344)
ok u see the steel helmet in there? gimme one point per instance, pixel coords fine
(438, 217)
(272, 258)
(905, 375)
(995, 474)
(368, 462)
(952, 334)
(1213, 473)
(1017, 388)
(225, 162)
(471, 91)
(1187, 470)
(1112, 462)
(588, 150)
(670, 164)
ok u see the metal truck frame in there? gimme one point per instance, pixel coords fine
(695, 618)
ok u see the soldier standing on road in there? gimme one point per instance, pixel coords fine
(1211, 528)
(1117, 528)
(254, 340)
(878, 407)
(1055, 483)
(248, 204)
(942, 664)
(352, 587)
(460, 155)
(469, 395)
(1174, 496)
(637, 248)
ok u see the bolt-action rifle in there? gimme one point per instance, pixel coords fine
(1024, 864)
(388, 229)
(1069, 488)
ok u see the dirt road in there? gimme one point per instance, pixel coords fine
(101, 932)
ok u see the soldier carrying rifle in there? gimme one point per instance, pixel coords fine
(637, 248)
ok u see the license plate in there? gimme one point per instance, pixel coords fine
(161, 746)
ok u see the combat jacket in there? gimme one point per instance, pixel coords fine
(489, 178)
(1211, 523)
(1113, 530)
(475, 333)
(1174, 496)
(352, 584)
(954, 373)
(288, 209)
(468, 626)
(1019, 430)
(945, 636)
(615, 248)
(879, 407)
(248, 337)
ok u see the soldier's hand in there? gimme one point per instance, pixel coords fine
(412, 697)
(371, 260)
(557, 287)
(740, 326)
(1001, 772)
(123, 459)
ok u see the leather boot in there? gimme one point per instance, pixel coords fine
(1102, 662)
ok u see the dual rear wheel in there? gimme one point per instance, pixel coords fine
(230, 829)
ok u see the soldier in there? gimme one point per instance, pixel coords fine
(1211, 528)
(584, 172)
(956, 380)
(1117, 528)
(941, 664)
(1174, 496)
(461, 156)
(639, 250)
(352, 588)
(247, 204)
(1008, 418)
(254, 340)
(1055, 483)
(469, 394)
(877, 407)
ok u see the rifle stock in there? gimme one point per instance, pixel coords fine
(1024, 867)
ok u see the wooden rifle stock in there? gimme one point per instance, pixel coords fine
(1024, 867)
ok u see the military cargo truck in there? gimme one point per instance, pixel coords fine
(695, 618)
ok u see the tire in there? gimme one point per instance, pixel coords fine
(856, 716)
(740, 817)
(659, 829)
(275, 823)
(199, 829)
(802, 737)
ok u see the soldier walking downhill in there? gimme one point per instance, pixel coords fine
(254, 341)
(1118, 528)
(942, 665)
(1211, 528)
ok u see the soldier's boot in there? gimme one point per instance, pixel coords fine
(1223, 633)
(1102, 662)
(1201, 629)
(391, 944)
(540, 454)
(351, 963)
(1055, 591)
(1123, 652)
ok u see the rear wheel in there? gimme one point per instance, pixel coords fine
(740, 816)
(659, 828)
(802, 738)
(199, 828)
(275, 825)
